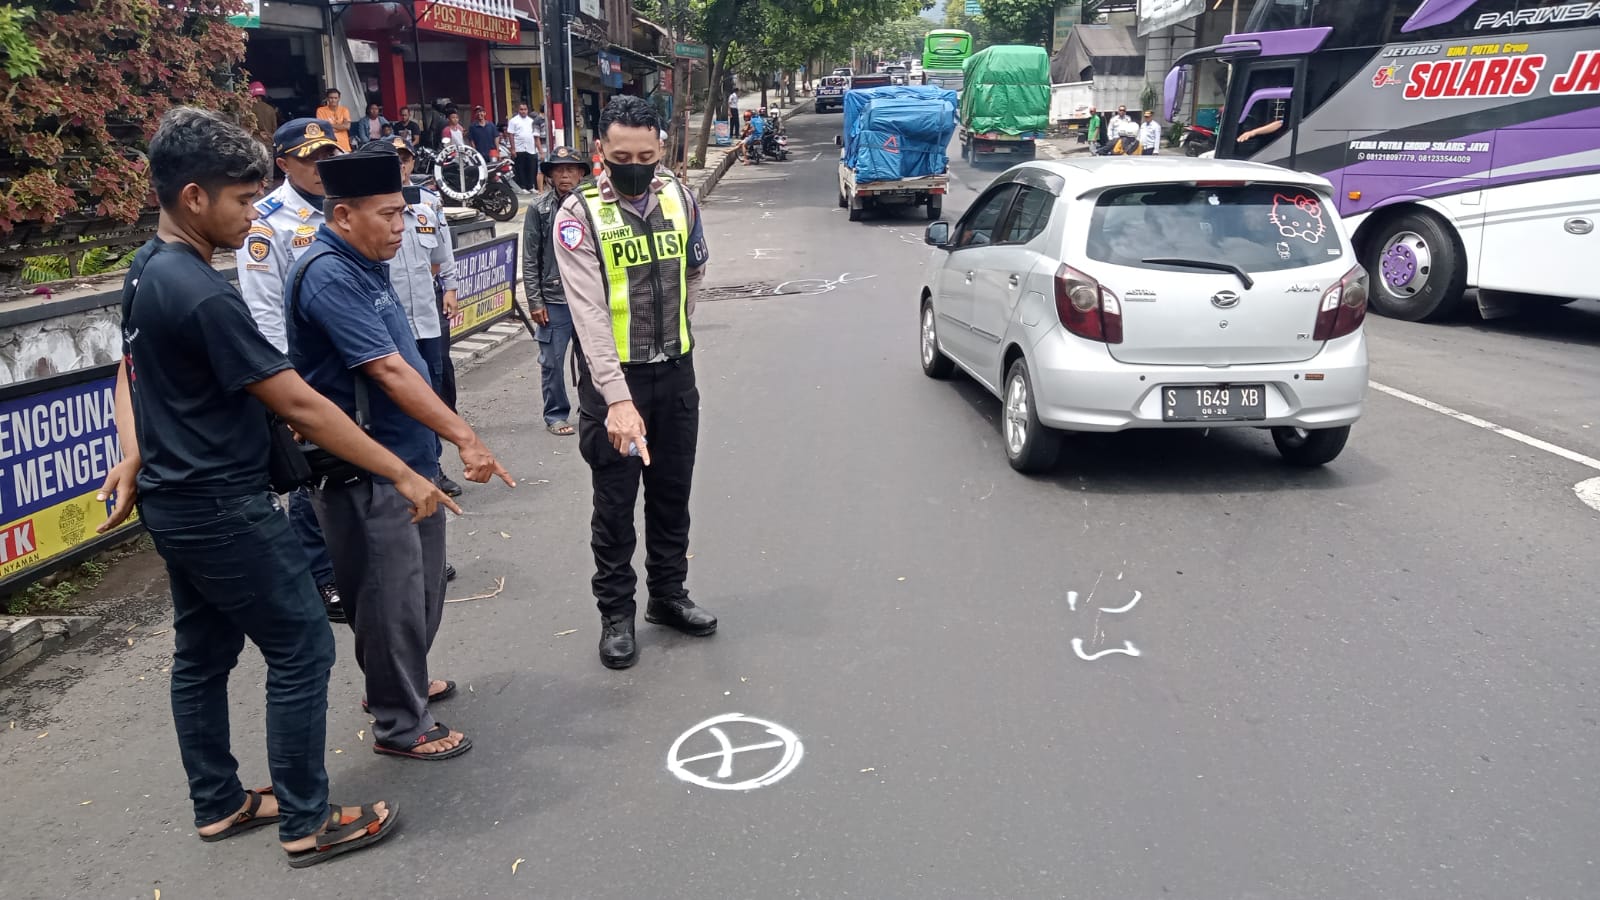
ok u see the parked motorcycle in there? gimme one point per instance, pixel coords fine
(1196, 140)
(775, 145)
(462, 174)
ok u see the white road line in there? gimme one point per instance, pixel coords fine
(1588, 490)
(1531, 441)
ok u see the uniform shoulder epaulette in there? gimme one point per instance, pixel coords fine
(266, 206)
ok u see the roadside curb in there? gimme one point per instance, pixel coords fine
(469, 352)
(714, 173)
(24, 639)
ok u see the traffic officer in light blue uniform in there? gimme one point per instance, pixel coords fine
(287, 222)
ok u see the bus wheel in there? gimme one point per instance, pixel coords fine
(1417, 272)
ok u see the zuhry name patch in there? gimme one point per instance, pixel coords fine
(571, 234)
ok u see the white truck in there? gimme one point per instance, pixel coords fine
(928, 190)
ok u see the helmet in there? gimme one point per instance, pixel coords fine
(257, 89)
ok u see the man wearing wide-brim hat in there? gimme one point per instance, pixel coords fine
(563, 170)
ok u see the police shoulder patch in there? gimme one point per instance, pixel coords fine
(571, 234)
(258, 247)
(266, 206)
(261, 229)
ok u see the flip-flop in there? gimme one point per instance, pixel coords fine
(331, 843)
(448, 692)
(562, 428)
(244, 820)
(437, 732)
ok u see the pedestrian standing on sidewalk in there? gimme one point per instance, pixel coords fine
(1150, 135)
(483, 134)
(541, 283)
(193, 390)
(349, 336)
(426, 261)
(631, 311)
(733, 108)
(523, 141)
(287, 219)
(335, 114)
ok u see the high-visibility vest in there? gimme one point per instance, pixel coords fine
(646, 278)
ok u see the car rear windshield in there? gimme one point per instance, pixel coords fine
(1257, 227)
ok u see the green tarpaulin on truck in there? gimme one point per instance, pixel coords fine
(1007, 89)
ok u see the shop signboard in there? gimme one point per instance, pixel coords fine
(487, 274)
(448, 19)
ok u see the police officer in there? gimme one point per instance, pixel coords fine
(349, 338)
(426, 260)
(541, 281)
(287, 220)
(632, 254)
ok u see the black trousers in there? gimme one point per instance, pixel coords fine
(527, 170)
(668, 401)
(444, 377)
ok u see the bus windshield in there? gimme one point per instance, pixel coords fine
(946, 48)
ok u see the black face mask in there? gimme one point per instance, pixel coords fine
(631, 179)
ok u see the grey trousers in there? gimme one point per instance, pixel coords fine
(391, 576)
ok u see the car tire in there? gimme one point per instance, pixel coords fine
(934, 363)
(1030, 446)
(1310, 447)
(1417, 273)
(935, 207)
(856, 210)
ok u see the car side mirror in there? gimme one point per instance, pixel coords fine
(938, 234)
(838, 140)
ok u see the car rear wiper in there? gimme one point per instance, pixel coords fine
(1244, 277)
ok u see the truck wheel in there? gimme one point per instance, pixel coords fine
(842, 202)
(966, 151)
(935, 207)
(1417, 273)
(856, 210)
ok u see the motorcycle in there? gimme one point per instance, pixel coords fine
(1196, 140)
(775, 145)
(1126, 142)
(462, 174)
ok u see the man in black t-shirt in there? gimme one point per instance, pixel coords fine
(195, 378)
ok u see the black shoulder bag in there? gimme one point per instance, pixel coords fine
(321, 467)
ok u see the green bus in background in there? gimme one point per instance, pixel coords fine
(944, 51)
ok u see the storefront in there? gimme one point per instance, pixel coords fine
(434, 49)
(287, 51)
(517, 74)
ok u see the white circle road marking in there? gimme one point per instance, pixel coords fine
(785, 740)
(1587, 490)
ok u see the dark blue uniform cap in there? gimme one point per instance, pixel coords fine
(302, 137)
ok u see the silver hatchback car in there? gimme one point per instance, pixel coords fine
(1108, 294)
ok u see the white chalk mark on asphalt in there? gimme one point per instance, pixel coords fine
(1072, 600)
(817, 157)
(1588, 490)
(1122, 609)
(786, 741)
(1127, 649)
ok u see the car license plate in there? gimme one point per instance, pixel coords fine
(1213, 403)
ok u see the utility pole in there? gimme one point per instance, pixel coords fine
(555, 40)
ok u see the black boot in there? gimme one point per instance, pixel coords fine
(618, 650)
(333, 603)
(682, 614)
(450, 488)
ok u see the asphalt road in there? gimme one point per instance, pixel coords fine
(1367, 681)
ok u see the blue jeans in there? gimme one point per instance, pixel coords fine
(237, 572)
(308, 531)
(554, 339)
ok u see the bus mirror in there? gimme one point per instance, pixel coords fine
(1172, 90)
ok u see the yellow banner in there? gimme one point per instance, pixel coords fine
(487, 275)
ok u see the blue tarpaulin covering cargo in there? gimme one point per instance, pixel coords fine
(898, 132)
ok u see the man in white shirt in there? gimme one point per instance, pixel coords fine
(524, 139)
(1150, 135)
(733, 109)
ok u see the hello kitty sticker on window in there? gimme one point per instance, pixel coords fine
(1299, 216)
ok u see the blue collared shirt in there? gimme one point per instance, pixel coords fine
(347, 315)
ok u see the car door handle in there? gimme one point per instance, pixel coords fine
(1014, 281)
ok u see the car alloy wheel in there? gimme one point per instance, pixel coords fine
(1016, 424)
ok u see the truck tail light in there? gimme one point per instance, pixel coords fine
(1087, 308)
(1344, 306)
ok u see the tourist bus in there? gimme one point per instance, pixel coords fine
(943, 52)
(1462, 138)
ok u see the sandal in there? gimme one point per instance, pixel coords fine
(245, 820)
(561, 428)
(448, 692)
(439, 731)
(332, 839)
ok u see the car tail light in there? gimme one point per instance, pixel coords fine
(1087, 308)
(1344, 306)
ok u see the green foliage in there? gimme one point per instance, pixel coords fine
(20, 55)
(58, 266)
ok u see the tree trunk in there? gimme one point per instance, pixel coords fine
(718, 61)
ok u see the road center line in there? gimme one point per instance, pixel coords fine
(1588, 490)
(1487, 425)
